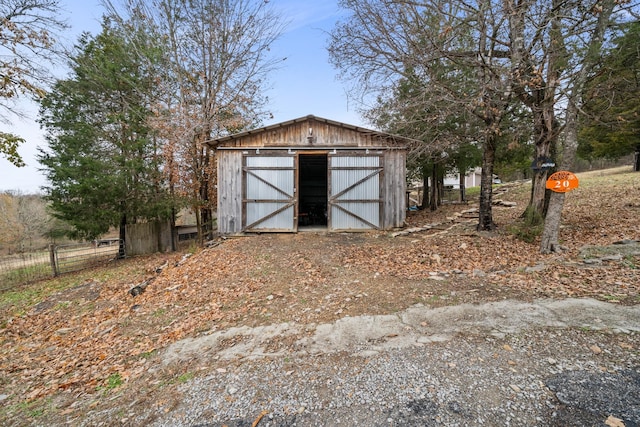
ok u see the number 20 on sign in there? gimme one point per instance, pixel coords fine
(562, 182)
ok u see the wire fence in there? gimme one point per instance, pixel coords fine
(23, 268)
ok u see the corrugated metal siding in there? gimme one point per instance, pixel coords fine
(355, 161)
(342, 220)
(355, 192)
(258, 212)
(270, 184)
(269, 193)
(269, 161)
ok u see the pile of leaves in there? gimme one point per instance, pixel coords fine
(85, 334)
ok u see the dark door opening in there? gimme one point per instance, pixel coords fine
(312, 190)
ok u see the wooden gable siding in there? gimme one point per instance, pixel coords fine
(324, 135)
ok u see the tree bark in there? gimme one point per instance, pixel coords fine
(425, 189)
(433, 202)
(550, 234)
(550, 241)
(485, 222)
(122, 235)
(538, 183)
(198, 214)
(461, 182)
(537, 93)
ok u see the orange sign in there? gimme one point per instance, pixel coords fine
(562, 181)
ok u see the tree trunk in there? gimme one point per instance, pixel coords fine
(433, 202)
(205, 210)
(425, 189)
(174, 231)
(462, 195)
(485, 222)
(198, 213)
(538, 184)
(206, 223)
(539, 180)
(550, 234)
(636, 159)
(122, 236)
(539, 94)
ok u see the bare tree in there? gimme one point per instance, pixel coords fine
(549, 42)
(34, 220)
(383, 42)
(27, 49)
(24, 221)
(538, 60)
(529, 50)
(592, 38)
(217, 65)
(10, 228)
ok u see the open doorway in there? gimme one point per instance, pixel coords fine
(312, 190)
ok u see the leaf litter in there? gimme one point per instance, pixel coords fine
(72, 342)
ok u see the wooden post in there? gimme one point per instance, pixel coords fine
(52, 259)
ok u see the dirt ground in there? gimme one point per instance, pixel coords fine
(85, 336)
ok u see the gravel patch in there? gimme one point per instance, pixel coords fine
(483, 372)
(601, 392)
(537, 378)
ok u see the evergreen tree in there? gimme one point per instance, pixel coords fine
(611, 127)
(103, 161)
(419, 109)
(443, 44)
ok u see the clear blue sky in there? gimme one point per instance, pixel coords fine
(306, 83)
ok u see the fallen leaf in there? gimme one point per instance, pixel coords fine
(595, 349)
(614, 422)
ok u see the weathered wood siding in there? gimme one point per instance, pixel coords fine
(394, 189)
(148, 238)
(306, 135)
(323, 135)
(229, 191)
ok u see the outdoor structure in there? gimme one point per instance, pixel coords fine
(471, 179)
(310, 173)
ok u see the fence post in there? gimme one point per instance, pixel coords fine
(52, 259)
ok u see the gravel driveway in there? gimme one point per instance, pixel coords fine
(573, 362)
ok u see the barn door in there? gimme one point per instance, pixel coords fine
(354, 192)
(269, 188)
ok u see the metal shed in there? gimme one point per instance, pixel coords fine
(310, 173)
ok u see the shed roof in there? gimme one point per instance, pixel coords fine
(375, 133)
